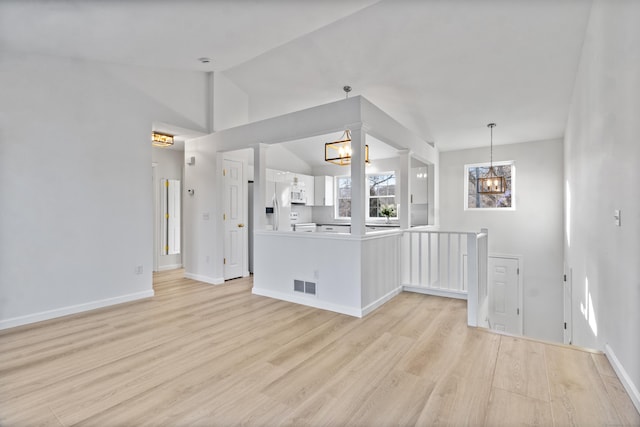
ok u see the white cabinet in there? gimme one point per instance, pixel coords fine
(419, 185)
(323, 191)
(334, 228)
(308, 184)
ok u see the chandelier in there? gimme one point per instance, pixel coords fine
(339, 152)
(491, 182)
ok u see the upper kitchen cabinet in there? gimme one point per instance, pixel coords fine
(419, 185)
(323, 191)
(308, 184)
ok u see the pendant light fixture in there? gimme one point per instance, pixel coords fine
(492, 183)
(339, 152)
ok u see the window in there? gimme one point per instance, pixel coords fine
(475, 200)
(381, 191)
(343, 197)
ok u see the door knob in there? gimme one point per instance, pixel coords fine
(240, 225)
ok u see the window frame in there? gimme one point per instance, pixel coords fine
(336, 197)
(367, 198)
(513, 187)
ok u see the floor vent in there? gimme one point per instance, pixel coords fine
(310, 288)
(298, 286)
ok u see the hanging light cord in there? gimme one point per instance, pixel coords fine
(491, 126)
(491, 161)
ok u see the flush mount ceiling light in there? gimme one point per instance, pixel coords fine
(161, 139)
(204, 60)
(339, 152)
(492, 183)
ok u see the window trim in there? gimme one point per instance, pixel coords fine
(465, 195)
(336, 192)
(367, 198)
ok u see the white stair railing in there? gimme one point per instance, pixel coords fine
(450, 264)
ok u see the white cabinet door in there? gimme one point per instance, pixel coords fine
(309, 188)
(323, 191)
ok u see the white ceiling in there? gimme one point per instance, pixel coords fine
(442, 68)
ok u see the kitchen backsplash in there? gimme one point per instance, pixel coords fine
(323, 215)
(304, 214)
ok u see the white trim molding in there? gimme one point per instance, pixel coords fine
(73, 309)
(310, 302)
(169, 267)
(380, 301)
(205, 279)
(435, 292)
(625, 379)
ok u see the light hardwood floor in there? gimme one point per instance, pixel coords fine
(197, 354)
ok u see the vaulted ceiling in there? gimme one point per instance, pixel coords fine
(442, 68)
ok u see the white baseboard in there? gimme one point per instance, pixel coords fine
(72, 309)
(369, 308)
(169, 267)
(626, 381)
(309, 301)
(205, 279)
(435, 292)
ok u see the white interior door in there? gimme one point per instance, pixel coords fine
(234, 227)
(505, 313)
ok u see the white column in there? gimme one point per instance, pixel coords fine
(259, 185)
(404, 211)
(210, 106)
(358, 182)
(432, 177)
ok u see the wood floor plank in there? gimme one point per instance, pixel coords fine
(461, 396)
(603, 365)
(578, 394)
(197, 354)
(621, 401)
(521, 368)
(513, 409)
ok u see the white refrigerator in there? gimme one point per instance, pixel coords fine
(281, 206)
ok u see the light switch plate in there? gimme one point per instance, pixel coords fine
(616, 216)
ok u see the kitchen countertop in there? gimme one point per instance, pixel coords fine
(367, 225)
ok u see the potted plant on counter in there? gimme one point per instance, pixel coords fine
(388, 211)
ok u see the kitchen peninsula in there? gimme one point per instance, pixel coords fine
(356, 268)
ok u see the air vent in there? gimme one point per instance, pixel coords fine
(310, 288)
(304, 287)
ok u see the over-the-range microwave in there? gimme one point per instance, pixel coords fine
(298, 196)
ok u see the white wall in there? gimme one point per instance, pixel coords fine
(230, 103)
(279, 158)
(75, 160)
(533, 230)
(602, 150)
(169, 164)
